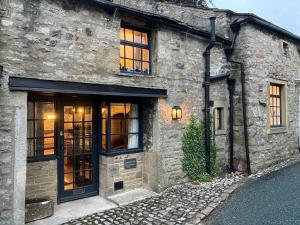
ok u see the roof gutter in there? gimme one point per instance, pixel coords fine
(159, 19)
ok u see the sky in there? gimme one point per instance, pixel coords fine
(283, 13)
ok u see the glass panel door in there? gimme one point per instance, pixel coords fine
(78, 156)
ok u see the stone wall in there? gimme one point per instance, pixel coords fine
(41, 180)
(112, 170)
(264, 58)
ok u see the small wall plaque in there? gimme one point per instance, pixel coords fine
(130, 163)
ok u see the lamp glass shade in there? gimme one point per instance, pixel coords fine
(176, 113)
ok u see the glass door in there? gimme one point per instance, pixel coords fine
(78, 158)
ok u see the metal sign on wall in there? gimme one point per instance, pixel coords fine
(130, 163)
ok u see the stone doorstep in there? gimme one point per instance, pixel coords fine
(131, 196)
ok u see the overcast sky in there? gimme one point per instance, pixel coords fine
(284, 13)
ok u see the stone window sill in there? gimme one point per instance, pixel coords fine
(134, 75)
(220, 132)
(277, 130)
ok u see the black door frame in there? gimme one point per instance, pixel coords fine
(87, 191)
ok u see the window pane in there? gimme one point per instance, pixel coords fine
(128, 52)
(122, 64)
(88, 129)
(132, 125)
(68, 164)
(30, 147)
(122, 34)
(88, 113)
(118, 126)
(117, 110)
(44, 110)
(78, 130)
(145, 55)
(145, 38)
(132, 110)
(128, 35)
(133, 141)
(122, 53)
(68, 130)
(137, 53)
(103, 143)
(137, 66)
(103, 126)
(30, 129)
(30, 110)
(68, 113)
(79, 113)
(104, 110)
(68, 147)
(118, 142)
(88, 144)
(137, 37)
(48, 128)
(129, 65)
(49, 143)
(49, 151)
(145, 67)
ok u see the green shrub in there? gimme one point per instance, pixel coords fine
(193, 147)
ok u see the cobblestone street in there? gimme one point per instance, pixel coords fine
(176, 205)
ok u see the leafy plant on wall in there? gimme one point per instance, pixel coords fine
(193, 147)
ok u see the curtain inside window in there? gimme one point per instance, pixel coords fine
(133, 137)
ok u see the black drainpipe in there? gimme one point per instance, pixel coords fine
(236, 28)
(206, 88)
(231, 87)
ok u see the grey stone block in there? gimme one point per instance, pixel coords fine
(37, 209)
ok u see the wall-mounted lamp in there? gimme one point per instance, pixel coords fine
(176, 113)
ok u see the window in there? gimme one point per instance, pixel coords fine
(40, 129)
(285, 47)
(121, 127)
(219, 118)
(134, 51)
(275, 105)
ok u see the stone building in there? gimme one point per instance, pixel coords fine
(88, 89)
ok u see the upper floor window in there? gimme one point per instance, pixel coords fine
(40, 129)
(134, 51)
(275, 105)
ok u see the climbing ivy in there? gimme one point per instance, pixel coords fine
(193, 147)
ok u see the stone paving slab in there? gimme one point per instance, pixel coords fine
(132, 196)
(187, 203)
(75, 209)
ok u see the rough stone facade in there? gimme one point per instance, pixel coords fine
(265, 60)
(58, 40)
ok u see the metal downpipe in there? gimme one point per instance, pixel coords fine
(207, 96)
